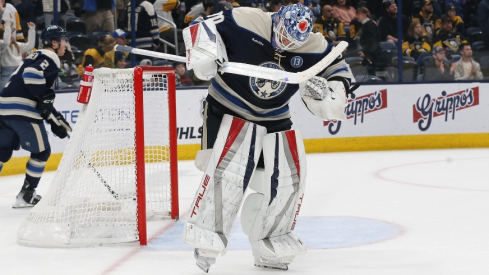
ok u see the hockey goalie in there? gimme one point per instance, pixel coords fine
(248, 139)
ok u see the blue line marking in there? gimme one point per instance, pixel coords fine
(315, 232)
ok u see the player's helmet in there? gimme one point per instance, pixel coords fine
(52, 32)
(291, 26)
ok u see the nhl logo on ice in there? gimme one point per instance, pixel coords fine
(296, 61)
(264, 88)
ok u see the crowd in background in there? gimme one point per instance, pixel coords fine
(441, 39)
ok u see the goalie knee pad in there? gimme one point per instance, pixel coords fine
(269, 215)
(229, 169)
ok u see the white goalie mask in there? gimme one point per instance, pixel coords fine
(292, 26)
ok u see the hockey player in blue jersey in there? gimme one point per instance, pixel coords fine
(25, 101)
(247, 138)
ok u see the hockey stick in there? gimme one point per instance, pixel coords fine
(253, 70)
(114, 194)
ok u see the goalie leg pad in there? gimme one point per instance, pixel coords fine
(269, 216)
(228, 172)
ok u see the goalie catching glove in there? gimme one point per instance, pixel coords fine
(325, 99)
(61, 127)
(205, 49)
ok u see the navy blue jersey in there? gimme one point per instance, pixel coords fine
(30, 80)
(247, 35)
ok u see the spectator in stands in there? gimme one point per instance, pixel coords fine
(10, 13)
(446, 38)
(429, 21)
(11, 50)
(483, 21)
(26, 10)
(120, 39)
(376, 8)
(388, 24)
(48, 10)
(99, 15)
(438, 67)
(330, 27)
(95, 56)
(416, 45)
(202, 9)
(164, 9)
(147, 31)
(344, 11)
(225, 5)
(120, 60)
(184, 77)
(457, 22)
(146, 62)
(467, 68)
(120, 7)
(369, 39)
(275, 5)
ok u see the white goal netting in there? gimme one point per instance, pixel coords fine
(93, 198)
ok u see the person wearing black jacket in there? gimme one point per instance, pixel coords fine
(388, 23)
(369, 40)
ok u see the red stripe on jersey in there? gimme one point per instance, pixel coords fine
(236, 127)
(293, 150)
(193, 33)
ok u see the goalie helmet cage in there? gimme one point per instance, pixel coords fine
(122, 152)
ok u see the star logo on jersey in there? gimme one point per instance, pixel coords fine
(265, 88)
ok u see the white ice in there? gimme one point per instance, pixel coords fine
(435, 201)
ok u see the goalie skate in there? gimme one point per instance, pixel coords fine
(282, 264)
(205, 259)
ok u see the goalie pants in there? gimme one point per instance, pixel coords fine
(33, 138)
(213, 113)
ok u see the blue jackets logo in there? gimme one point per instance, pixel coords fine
(265, 88)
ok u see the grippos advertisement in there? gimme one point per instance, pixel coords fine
(390, 110)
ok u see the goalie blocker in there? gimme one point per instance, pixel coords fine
(269, 214)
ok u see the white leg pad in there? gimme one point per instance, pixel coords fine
(269, 216)
(281, 249)
(229, 169)
(204, 239)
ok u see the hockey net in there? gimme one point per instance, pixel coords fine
(119, 167)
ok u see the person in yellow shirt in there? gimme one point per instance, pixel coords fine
(120, 39)
(95, 56)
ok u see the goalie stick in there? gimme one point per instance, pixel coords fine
(114, 194)
(253, 70)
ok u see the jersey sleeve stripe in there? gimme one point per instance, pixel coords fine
(34, 81)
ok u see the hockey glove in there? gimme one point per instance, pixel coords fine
(45, 103)
(325, 99)
(62, 129)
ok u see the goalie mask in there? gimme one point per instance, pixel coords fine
(292, 26)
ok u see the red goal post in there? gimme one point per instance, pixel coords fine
(119, 168)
